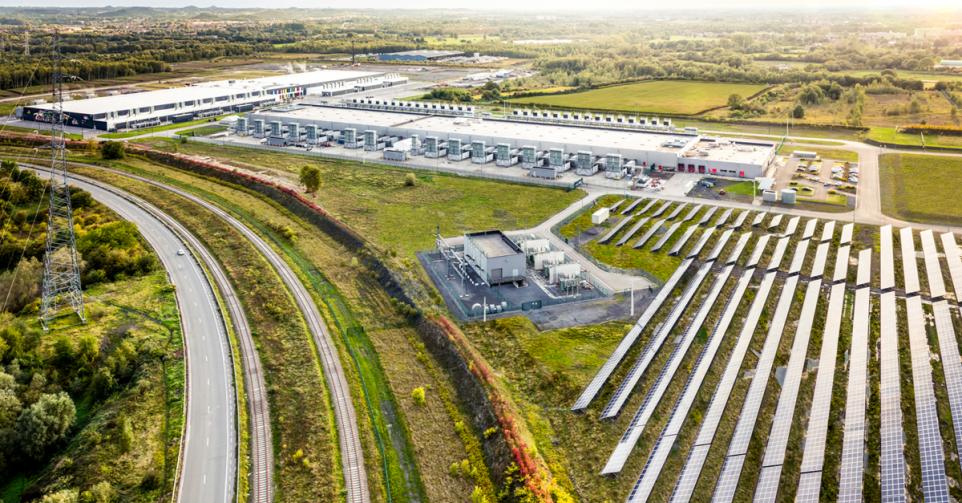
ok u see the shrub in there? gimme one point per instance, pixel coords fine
(418, 395)
(410, 180)
(112, 150)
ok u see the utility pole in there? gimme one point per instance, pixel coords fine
(61, 269)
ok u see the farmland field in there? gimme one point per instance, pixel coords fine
(656, 96)
(920, 187)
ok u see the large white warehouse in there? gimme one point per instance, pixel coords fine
(461, 137)
(152, 108)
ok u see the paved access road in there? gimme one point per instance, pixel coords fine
(209, 449)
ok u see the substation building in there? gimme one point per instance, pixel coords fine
(208, 99)
(547, 149)
(494, 257)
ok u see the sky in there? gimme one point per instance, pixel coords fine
(547, 5)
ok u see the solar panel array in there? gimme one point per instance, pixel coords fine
(648, 234)
(935, 487)
(771, 472)
(632, 206)
(666, 236)
(828, 230)
(631, 232)
(799, 258)
(638, 422)
(738, 447)
(676, 249)
(759, 249)
(685, 485)
(679, 413)
(674, 213)
(853, 442)
(614, 230)
(661, 211)
(707, 216)
(653, 345)
(759, 218)
(841, 264)
(691, 214)
(932, 267)
(629, 339)
(720, 244)
(778, 254)
(821, 255)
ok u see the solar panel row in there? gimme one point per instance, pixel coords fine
(932, 267)
(757, 253)
(821, 254)
(828, 230)
(694, 211)
(647, 207)
(853, 441)
(632, 206)
(666, 236)
(759, 218)
(910, 270)
(892, 466)
(740, 220)
(661, 211)
(702, 241)
(631, 232)
(708, 214)
(792, 226)
(847, 231)
(952, 257)
(676, 249)
(648, 234)
(614, 230)
(810, 226)
(617, 205)
(674, 213)
(723, 219)
(629, 339)
(887, 278)
(775, 222)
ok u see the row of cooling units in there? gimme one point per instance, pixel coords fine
(550, 163)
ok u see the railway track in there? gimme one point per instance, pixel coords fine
(352, 457)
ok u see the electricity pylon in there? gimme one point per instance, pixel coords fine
(61, 267)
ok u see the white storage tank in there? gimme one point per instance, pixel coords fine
(769, 196)
(789, 196)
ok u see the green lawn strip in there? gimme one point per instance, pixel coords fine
(44, 132)
(306, 451)
(746, 188)
(921, 188)
(202, 130)
(374, 201)
(892, 138)
(157, 129)
(824, 153)
(654, 96)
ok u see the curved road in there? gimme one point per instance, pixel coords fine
(208, 454)
(352, 457)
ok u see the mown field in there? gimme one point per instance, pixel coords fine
(656, 96)
(921, 188)
(375, 201)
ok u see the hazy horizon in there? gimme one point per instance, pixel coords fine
(565, 5)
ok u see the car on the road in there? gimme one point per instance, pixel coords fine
(181, 252)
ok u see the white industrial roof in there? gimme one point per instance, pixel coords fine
(492, 244)
(205, 90)
(103, 104)
(520, 132)
(740, 151)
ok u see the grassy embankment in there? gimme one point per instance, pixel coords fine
(159, 129)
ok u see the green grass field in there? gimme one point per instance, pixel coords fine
(892, 137)
(921, 188)
(655, 96)
(203, 130)
(158, 129)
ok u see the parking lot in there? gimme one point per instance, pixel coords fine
(818, 179)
